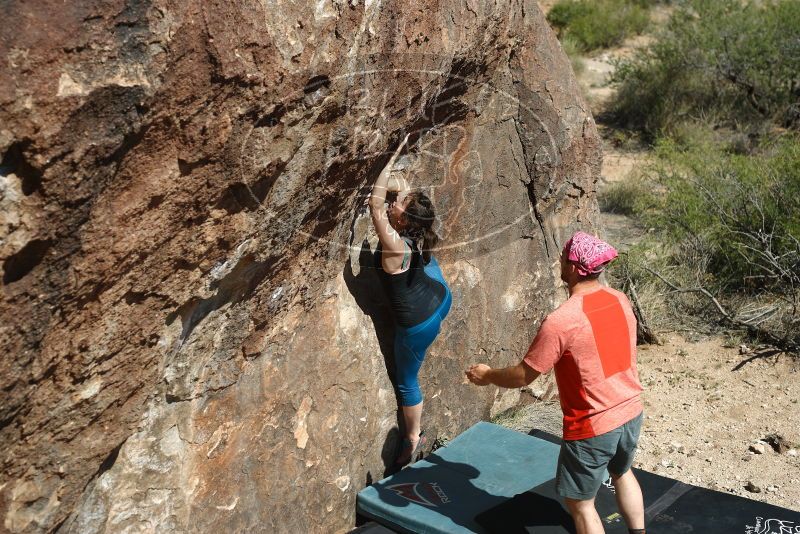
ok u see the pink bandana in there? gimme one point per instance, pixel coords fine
(589, 253)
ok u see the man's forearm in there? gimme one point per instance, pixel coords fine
(507, 377)
(516, 376)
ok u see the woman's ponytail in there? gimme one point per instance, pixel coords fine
(420, 217)
(429, 242)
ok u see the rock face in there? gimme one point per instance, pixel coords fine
(191, 323)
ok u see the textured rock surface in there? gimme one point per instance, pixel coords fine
(190, 343)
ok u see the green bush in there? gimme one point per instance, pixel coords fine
(740, 213)
(651, 3)
(598, 23)
(722, 62)
(724, 225)
(572, 49)
(626, 197)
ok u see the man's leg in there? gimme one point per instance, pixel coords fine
(587, 521)
(629, 499)
(580, 473)
(628, 491)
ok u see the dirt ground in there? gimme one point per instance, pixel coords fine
(710, 408)
(706, 405)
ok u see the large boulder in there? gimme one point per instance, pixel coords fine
(194, 334)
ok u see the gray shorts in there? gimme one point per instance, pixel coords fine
(582, 463)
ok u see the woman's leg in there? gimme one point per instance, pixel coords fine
(407, 363)
(412, 423)
(410, 347)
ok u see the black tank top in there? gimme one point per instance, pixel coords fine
(413, 295)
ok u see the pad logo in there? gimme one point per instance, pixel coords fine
(772, 526)
(425, 493)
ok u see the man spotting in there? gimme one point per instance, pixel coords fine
(590, 341)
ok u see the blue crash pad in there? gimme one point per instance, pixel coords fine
(491, 479)
(482, 468)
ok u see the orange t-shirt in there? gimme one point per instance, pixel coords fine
(590, 340)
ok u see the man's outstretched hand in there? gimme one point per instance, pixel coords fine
(477, 374)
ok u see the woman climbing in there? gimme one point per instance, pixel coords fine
(417, 291)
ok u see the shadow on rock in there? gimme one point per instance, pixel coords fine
(368, 294)
(366, 289)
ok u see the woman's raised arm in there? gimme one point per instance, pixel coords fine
(390, 239)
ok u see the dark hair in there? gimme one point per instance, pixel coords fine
(420, 215)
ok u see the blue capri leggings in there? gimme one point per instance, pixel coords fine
(410, 344)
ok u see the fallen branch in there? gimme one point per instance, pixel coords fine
(644, 334)
(762, 316)
(643, 330)
(784, 344)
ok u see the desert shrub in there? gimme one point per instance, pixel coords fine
(573, 50)
(722, 62)
(626, 197)
(651, 3)
(728, 223)
(598, 23)
(741, 211)
(651, 252)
